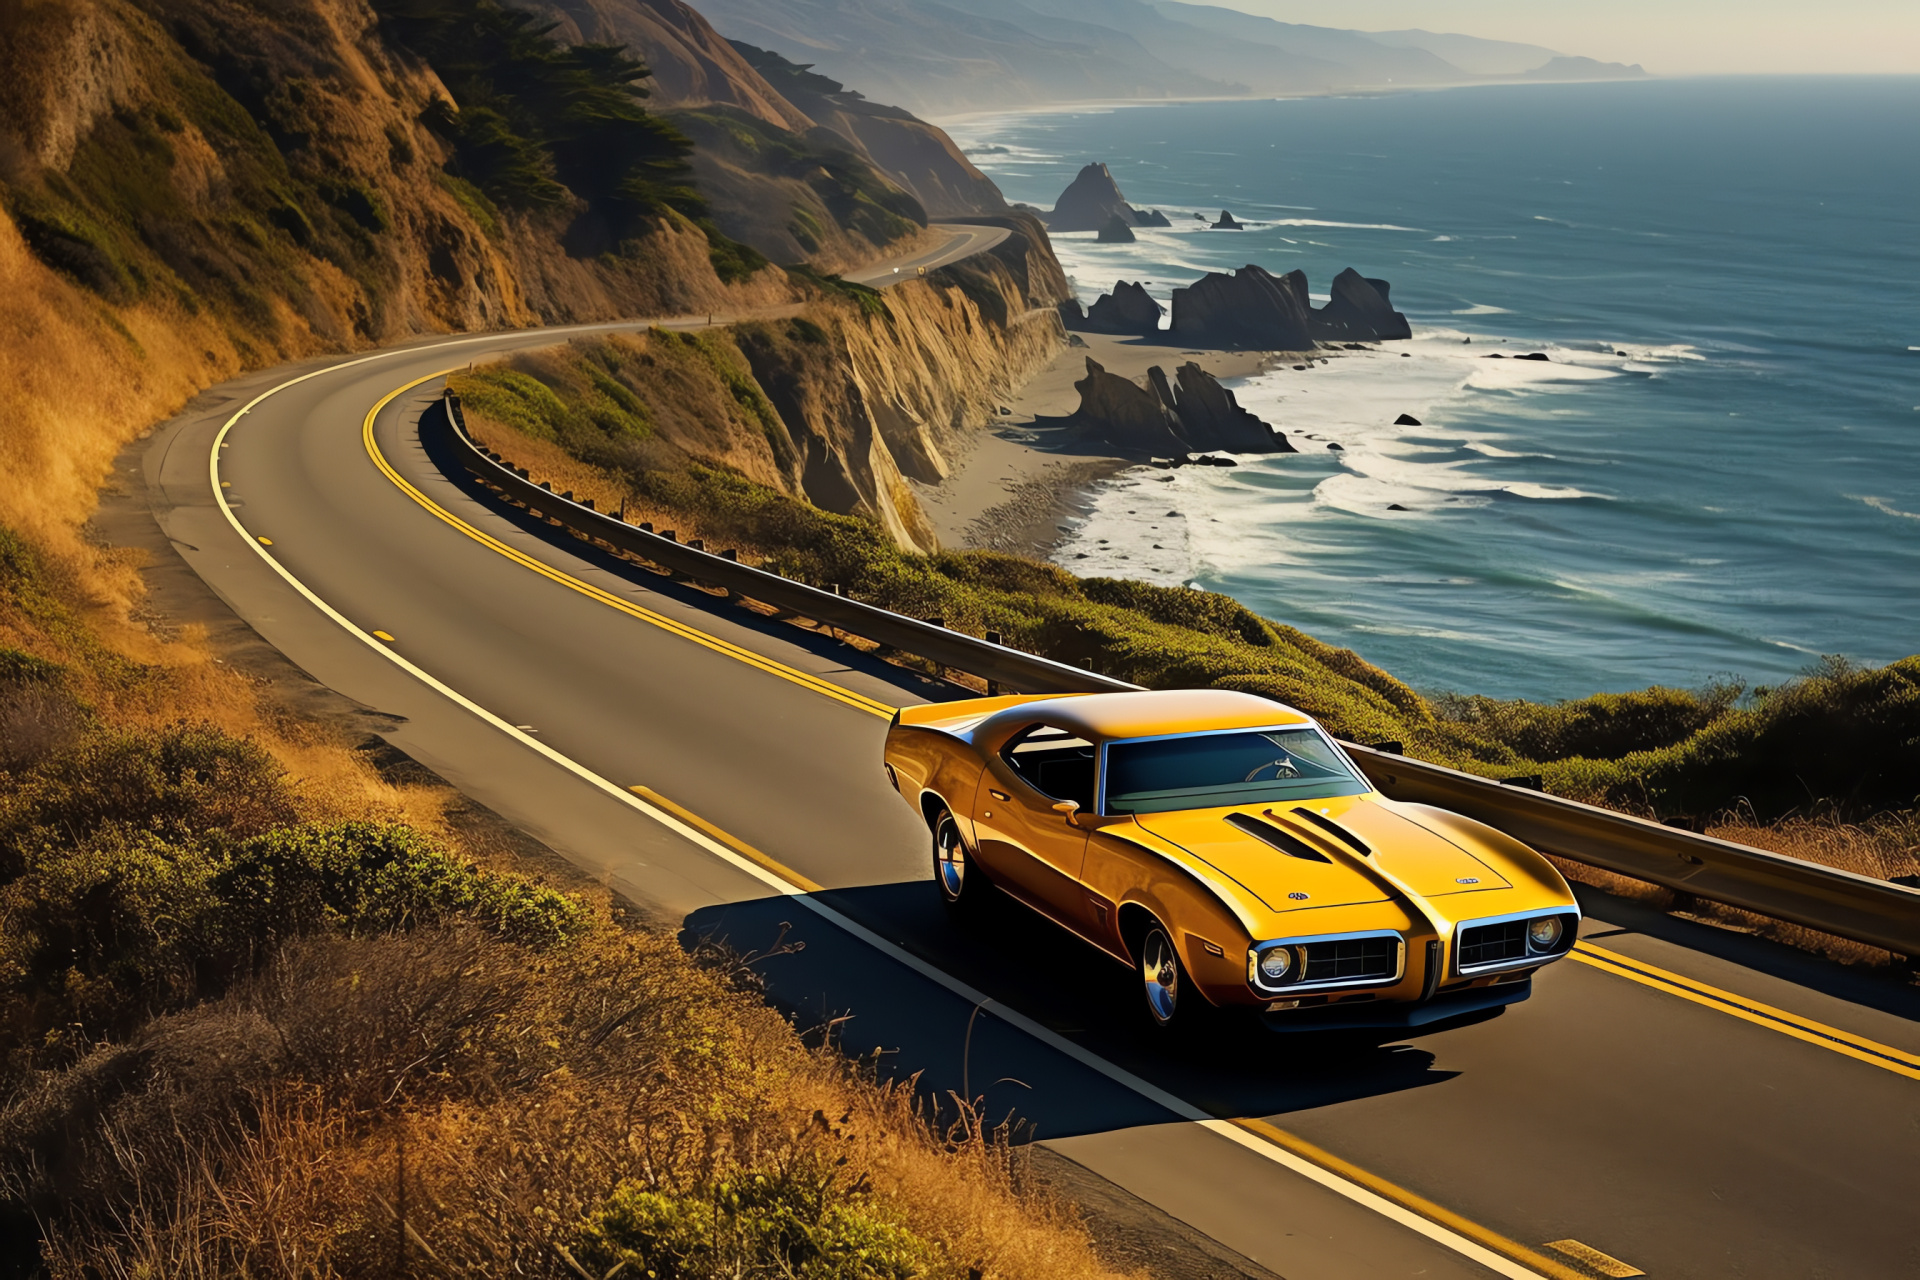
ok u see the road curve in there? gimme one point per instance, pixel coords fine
(1644, 1124)
(963, 241)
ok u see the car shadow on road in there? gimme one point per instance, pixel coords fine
(832, 984)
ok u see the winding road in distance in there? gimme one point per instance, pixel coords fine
(1619, 1123)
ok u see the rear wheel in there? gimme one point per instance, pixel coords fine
(960, 882)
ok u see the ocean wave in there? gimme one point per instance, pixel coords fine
(1482, 309)
(1884, 507)
(1349, 226)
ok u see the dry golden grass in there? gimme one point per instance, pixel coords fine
(479, 1102)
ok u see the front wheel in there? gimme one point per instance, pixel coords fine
(1171, 999)
(960, 882)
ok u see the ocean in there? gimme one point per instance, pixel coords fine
(1713, 477)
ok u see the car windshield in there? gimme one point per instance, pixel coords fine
(1212, 770)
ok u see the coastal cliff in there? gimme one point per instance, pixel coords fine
(838, 405)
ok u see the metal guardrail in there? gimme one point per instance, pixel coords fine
(1876, 912)
(1001, 665)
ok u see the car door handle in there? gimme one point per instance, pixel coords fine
(998, 795)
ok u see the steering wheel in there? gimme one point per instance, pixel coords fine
(1284, 767)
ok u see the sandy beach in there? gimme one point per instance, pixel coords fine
(1019, 484)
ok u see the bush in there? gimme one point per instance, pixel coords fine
(361, 877)
(177, 784)
(794, 1222)
(128, 923)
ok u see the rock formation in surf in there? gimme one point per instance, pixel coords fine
(1093, 200)
(1210, 417)
(1121, 413)
(1228, 223)
(1250, 308)
(1117, 231)
(1128, 309)
(1161, 418)
(1359, 311)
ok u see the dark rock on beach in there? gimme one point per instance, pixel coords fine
(1250, 308)
(1191, 414)
(1228, 223)
(1359, 310)
(1533, 355)
(1117, 231)
(1128, 309)
(1407, 420)
(1209, 415)
(1124, 414)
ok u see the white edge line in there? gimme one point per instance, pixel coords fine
(1119, 1075)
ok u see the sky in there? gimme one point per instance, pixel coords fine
(1668, 37)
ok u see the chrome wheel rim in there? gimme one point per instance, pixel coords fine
(949, 859)
(1160, 974)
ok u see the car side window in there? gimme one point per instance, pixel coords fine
(1054, 762)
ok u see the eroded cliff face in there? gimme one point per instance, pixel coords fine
(839, 404)
(889, 392)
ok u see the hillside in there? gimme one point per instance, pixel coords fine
(994, 55)
(229, 918)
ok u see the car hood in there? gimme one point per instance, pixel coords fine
(1402, 852)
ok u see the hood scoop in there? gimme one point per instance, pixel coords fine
(1267, 833)
(1337, 831)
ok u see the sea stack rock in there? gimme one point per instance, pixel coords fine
(1128, 309)
(1227, 223)
(1124, 414)
(1250, 308)
(1359, 311)
(1116, 231)
(1210, 417)
(1092, 201)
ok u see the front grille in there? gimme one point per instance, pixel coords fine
(1493, 943)
(1351, 960)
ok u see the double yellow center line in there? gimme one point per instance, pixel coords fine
(1748, 1010)
(826, 688)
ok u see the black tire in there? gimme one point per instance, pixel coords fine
(955, 873)
(1168, 994)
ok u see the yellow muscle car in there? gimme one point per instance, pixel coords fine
(1227, 850)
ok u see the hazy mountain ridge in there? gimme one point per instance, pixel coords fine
(957, 56)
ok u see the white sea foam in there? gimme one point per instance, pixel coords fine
(1480, 308)
(1883, 506)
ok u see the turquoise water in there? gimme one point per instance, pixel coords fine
(1714, 476)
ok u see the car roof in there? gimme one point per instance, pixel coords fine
(1152, 712)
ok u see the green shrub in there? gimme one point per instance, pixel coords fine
(101, 934)
(361, 877)
(177, 783)
(800, 1224)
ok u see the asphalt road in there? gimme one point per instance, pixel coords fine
(1665, 1133)
(963, 241)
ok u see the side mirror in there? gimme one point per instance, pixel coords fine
(1067, 809)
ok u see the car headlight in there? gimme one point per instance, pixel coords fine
(1276, 963)
(1544, 933)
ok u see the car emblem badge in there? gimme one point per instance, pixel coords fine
(1298, 897)
(1468, 880)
